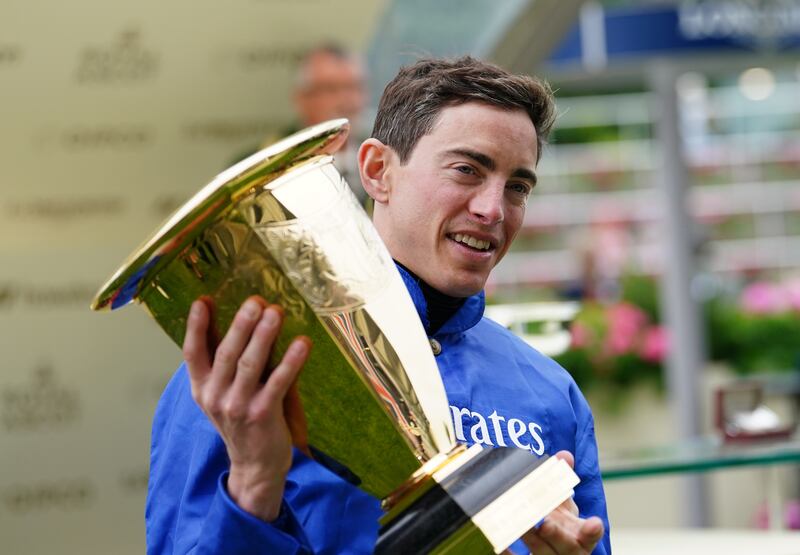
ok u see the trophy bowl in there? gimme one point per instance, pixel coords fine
(285, 225)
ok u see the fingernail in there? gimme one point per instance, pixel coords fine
(277, 308)
(194, 310)
(298, 347)
(251, 309)
(270, 316)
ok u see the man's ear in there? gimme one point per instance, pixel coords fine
(374, 164)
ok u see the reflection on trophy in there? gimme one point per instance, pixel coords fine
(284, 225)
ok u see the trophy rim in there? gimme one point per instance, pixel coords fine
(257, 170)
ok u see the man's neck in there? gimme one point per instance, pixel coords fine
(440, 307)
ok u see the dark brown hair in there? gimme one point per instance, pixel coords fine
(411, 102)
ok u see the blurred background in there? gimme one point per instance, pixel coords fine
(659, 261)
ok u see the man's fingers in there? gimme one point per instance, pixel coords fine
(537, 545)
(556, 535)
(590, 533)
(570, 507)
(195, 343)
(285, 374)
(570, 536)
(568, 457)
(250, 366)
(236, 339)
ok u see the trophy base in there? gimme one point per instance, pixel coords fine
(479, 501)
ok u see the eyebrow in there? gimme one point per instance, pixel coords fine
(489, 163)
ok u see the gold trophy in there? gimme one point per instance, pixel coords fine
(283, 224)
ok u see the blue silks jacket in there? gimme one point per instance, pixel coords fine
(500, 390)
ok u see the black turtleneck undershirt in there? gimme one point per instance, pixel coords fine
(440, 306)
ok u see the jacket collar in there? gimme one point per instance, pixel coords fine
(466, 317)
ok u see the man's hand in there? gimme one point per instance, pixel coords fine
(257, 419)
(563, 532)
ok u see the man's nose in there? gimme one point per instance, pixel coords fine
(487, 203)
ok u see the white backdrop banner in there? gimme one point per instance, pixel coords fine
(112, 115)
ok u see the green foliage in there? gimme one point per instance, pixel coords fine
(642, 291)
(749, 342)
(618, 345)
(614, 347)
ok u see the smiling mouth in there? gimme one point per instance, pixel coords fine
(471, 242)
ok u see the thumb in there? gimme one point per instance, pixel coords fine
(567, 457)
(591, 532)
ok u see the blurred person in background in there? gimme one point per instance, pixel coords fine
(329, 84)
(450, 166)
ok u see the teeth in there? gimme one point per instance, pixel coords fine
(471, 241)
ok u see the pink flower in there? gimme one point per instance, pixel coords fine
(655, 344)
(581, 335)
(625, 322)
(792, 290)
(761, 517)
(793, 514)
(763, 298)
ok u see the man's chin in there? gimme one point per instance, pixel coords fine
(455, 283)
(461, 288)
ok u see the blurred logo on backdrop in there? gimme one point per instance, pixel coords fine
(164, 205)
(10, 54)
(144, 390)
(134, 481)
(63, 210)
(748, 21)
(8, 295)
(645, 30)
(41, 404)
(258, 57)
(46, 296)
(64, 495)
(106, 137)
(229, 130)
(124, 60)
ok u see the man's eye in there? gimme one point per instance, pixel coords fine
(521, 188)
(466, 170)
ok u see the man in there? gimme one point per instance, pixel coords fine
(450, 166)
(329, 84)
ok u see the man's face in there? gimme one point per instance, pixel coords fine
(453, 209)
(332, 87)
